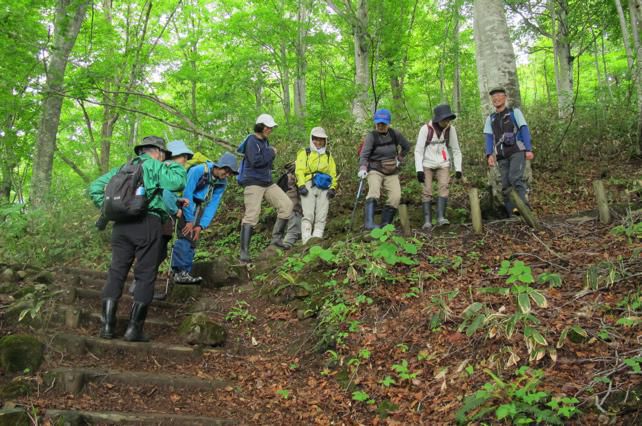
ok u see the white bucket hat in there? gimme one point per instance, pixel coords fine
(319, 132)
(266, 119)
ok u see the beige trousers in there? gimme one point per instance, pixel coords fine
(315, 211)
(390, 184)
(253, 196)
(443, 177)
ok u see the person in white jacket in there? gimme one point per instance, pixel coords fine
(432, 157)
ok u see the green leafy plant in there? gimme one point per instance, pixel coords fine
(361, 396)
(441, 303)
(393, 249)
(283, 393)
(240, 313)
(403, 371)
(519, 401)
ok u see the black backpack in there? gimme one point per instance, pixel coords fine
(125, 198)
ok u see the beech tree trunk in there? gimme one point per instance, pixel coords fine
(300, 84)
(457, 68)
(625, 36)
(637, 30)
(494, 52)
(563, 57)
(68, 18)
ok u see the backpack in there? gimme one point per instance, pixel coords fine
(431, 133)
(125, 198)
(241, 150)
(393, 134)
(197, 160)
(283, 182)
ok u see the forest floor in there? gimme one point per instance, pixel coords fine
(352, 339)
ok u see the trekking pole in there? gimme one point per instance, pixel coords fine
(356, 201)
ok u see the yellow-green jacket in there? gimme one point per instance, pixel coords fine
(309, 162)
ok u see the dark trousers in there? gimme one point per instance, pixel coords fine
(512, 172)
(140, 240)
(167, 232)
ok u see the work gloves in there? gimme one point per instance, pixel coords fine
(457, 175)
(331, 193)
(363, 172)
(303, 190)
(421, 177)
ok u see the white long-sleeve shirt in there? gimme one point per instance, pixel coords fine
(436, 155)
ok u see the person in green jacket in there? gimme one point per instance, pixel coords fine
(138, 239)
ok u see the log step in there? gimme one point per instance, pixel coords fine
(79, 345)
(73, 380)
(73, 294)
(73, 417)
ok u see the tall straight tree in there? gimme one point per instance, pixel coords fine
(637, 31)
(355, 12)
(68, 18)
(494, 52)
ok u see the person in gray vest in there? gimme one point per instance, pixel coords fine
(508, 144)
(432, 158)
(379, 161)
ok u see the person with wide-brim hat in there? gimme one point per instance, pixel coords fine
(137, 239)
(436, 140)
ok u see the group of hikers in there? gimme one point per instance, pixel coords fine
(169, 190)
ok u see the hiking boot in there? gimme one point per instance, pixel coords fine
(246, 237)
(278, 233)
(427, 206)
(108, 318)
(184, 277)
(387, 215)
(371, 206)
(441, 211)
(134, 332)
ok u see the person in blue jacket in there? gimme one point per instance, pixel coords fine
(508, 144)
(206, 184)
(256, 179)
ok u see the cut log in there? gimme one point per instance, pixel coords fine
(602, 202)
(475, 210)
(527, 214)
(405, 221)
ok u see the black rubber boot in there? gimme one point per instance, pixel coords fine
(108, 318)
(508, 206)
(134, 332)
(427, 205)
(371, 206)
(278, 232)
(441, 211)
(387, 215)
(246, 236)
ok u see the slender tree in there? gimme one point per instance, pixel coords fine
(68, 19)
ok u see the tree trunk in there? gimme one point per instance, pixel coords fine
(494, 52)
(300, 85)
(361, 60)
(285, 80)
(67, 21)
(625, 36)
(456, 64)
(563, 58)
(637, 18)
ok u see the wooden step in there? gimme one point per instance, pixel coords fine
(74, 417)
(73, 380)
(73, 294)
(76, 317)
(78, 345)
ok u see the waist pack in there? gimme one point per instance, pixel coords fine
(388, 166)
(322, 180)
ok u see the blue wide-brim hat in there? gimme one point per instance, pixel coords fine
(179, 148)
(228, 160)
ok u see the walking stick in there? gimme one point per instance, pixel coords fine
(356, 201)
(163, 296)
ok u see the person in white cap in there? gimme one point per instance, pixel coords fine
(255, 176)
(316, 175)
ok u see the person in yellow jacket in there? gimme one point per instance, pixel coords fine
(316, 177)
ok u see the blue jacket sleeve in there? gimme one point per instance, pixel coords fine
(258, 157)
(210, 209)
(193, 175)
(525, 136)
(489, 144)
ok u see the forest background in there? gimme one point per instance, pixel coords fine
(83, 82)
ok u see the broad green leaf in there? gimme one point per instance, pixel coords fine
(524, 303)
(538, 298)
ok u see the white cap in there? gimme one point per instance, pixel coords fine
(319, 132)
(266, 119)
